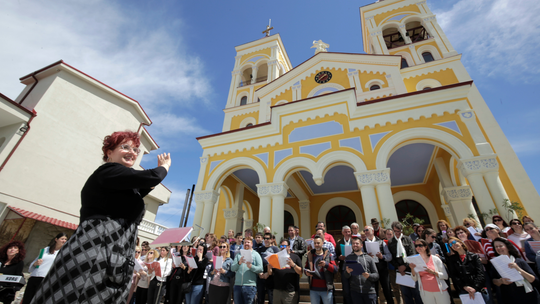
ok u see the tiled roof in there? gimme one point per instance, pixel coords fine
(42, 218)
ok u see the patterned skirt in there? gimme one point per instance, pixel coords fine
(94, 266)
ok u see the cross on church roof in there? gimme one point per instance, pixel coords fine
(268, 28)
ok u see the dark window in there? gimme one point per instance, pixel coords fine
(249, 125)
(426, 88)
(288, 220)
(258, 100)
(243, 101)
(414, 208)
(427, 57)
(338, 217)
(374, 87)
(404, 63)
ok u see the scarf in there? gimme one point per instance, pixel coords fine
(524, 283)
(400, 249)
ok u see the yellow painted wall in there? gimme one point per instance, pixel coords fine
(287, 95)
(254, 202)
(264, 52)
(236, 120)
(365, 77)
(339, 76)
(445, 77)
(429, 42)
(413, 8)
(394, 51)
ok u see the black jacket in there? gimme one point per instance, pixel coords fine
(409, 250)
(470, 272)
(299, 246)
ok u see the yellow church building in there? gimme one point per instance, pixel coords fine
(346, 137)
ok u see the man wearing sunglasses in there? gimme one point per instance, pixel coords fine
(286, 281)
(265, 286)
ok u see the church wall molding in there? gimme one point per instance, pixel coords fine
(225, 168)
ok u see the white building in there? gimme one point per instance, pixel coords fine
(50, 143)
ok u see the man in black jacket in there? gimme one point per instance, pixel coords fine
(362, 286)
(402, 246)
(345, 241)
(298, 245)
(381, 259)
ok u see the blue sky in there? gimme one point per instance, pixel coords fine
(176, 58)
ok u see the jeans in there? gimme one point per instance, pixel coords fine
(316, 296)
(244, 294)
(363, 298)
(411, 295)
(196, 294)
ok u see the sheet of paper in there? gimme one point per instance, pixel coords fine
(357, 268)
(283, 257)
(475, 247)
(434, 251)
(191, 262)
(501, 264)
(373, 248)
(246, 254)
(535, 245)
(177, 260)
(473, 231)
(137, 267)
(315, 273)
(218, 262)
(309, 242)
(405, 280)
(466, 299)
(418, 261)
(345, 249)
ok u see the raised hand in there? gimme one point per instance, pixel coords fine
(164, 160)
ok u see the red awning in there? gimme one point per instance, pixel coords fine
(42, 218)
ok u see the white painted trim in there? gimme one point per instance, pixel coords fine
(432, 83)
(433, 136)
(285, 170)
(224, 169)
(324, 86)
(340, 201)
(428, 48)
(283, 101)
(248, 120)
(421, 199)
(228, 197)
(408, 57)
(239, 98)
(290, 209)
(337, 158)
(374, 82)
(248, 212)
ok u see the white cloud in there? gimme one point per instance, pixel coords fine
(125, 49)
(496, 36)
(529, 146)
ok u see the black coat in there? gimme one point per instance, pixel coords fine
(409, 250)
(470, 272)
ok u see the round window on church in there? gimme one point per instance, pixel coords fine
(338, 217)
(414, 208)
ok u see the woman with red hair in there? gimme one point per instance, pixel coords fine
(96, 264)
(11, 263)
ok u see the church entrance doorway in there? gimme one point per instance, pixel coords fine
(415, 209)
(338, 217)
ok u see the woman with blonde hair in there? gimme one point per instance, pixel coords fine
(144, 280)
(471, 222)
(220, 284)
(156, 290)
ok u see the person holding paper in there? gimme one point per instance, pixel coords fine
(96, 264)
(463, 233)
(388, 236)
(265, 286)
(287, 280)
(220, 282)
(196, 275)
(381, 257)
(362, 285)
(156, 290)
(431, 236)
(343, 249)
(521, 291)
(41, 265)
(533, 231)
(402, 246)
(235, 248)
(519, 235)
(320, 269)
(141, 296)
(179, 273)
(470, 222)
(433, 288)
(245, 280)
(501, 223)
(467, 271)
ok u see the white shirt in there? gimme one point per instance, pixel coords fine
(43, 269)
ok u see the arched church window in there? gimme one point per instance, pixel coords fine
(427, 57)
(338, 217)
(414, 208)
(392, 38)
(404, 63)
(288, 220)
(374, 87)
(416, 31)
(249, 125)
(243, 101)
(426, 88)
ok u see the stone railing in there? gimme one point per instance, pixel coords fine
(151, 227)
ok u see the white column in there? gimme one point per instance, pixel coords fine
(403, 32)
(305, 219)
(473, 170)
(265, 204)
(198, 217)
(460, 201)
(254, 74)
(380, 179)
(448, 213)
(208, 198)
(499, 194)
(369, 200)
(278, 209)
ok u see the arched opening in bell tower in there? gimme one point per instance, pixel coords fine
(416, 31)
(392, 38)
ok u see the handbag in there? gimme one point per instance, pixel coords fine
(186, 287)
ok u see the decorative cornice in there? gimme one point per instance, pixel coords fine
(232, 213)
(274, 189)
(479, 165)
(457, 193)
(304, 206)
(446, 209)
(373, 177)
(209, 196)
